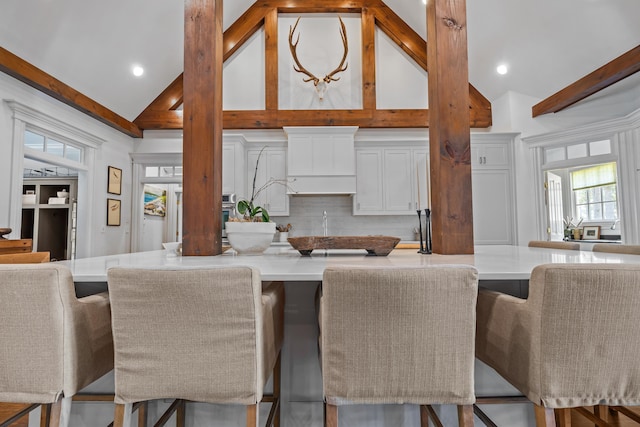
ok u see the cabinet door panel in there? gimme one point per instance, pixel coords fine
(398, 192)
(422, 181)
(278, 200)
(228, 169)
(369, 178)
(492, 207)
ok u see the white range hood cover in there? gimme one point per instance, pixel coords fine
(321, 160)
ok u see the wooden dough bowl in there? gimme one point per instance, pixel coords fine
(374, 245)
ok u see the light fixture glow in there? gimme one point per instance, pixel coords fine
(424, 1)
(502, 69)
(138, 70)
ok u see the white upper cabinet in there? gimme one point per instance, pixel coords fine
(368, 198)
(388, 181)
(490, 154)
(272, 167)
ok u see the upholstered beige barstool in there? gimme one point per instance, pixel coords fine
(616, 249)
(398, 335)
(571, 246)
(53, 344)
(206, 335)
(573, 343)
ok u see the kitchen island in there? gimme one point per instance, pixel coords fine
(505, 268)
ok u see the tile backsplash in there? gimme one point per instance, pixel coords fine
(305, 216)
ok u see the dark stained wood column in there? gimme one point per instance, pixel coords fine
(202, 140)
(449, 133)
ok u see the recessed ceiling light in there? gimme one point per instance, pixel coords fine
(502, 69)
(424, 1)
(137, 70)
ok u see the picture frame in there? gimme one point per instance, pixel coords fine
(113, 212)
(591, 232)
(114, 181)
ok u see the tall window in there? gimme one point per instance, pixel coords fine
(595, 192)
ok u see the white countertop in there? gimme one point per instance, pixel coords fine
(283, 263)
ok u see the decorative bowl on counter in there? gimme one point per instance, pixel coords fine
(374, 245)
(250, 238)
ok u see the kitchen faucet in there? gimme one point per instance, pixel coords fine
(325, 230)
(613, 226)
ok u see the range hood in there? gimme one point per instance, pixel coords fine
(321, 160)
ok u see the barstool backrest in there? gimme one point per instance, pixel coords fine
(398, 335)
(193, 334)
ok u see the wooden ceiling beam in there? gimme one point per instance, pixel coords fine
(610, 73)
(27, 73)
(372, 10)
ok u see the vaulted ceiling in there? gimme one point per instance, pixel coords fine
(547, 44)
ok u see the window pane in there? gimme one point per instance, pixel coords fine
(55, 147)
(594, 194)
(595, 211)
(609, 193)
(151, 171)
(554, 154)
(178, 170)
(576, 151)
(610, 210)
(33, 140)
(597, 148)
(581, 197)
(582, 211)
(73, 153)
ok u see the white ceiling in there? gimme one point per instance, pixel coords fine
(91, 46)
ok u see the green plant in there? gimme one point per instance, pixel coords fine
(247, 208)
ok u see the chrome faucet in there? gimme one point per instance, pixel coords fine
(613, 226)
(325, 227)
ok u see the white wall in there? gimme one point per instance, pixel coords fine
(113, 152)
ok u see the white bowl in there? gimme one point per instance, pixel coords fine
(63, 194)
(250, 238)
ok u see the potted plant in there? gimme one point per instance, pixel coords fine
(253, 231)
(283, 231)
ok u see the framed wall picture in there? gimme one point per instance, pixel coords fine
(591, 232)
(113, 212)
(114, 183)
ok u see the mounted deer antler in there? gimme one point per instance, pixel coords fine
(320, 85)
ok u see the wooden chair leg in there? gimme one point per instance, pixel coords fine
(56, 409)
(45, 415)
(180, 413)
(122, 415)
(602, 412)
(424, 416)
(142, 414)
(544, 416)
(252, 415)
(465, 415)
(563, 417)
(330, 415)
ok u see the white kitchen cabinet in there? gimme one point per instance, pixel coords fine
(493, 190)
(492, 207)
(234, 170)
(490, 155)
(387, 181)
(228, 169)
(369, 182)
(272, 166)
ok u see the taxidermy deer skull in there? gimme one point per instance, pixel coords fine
(320, 84)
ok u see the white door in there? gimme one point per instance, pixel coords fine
(554, 205)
